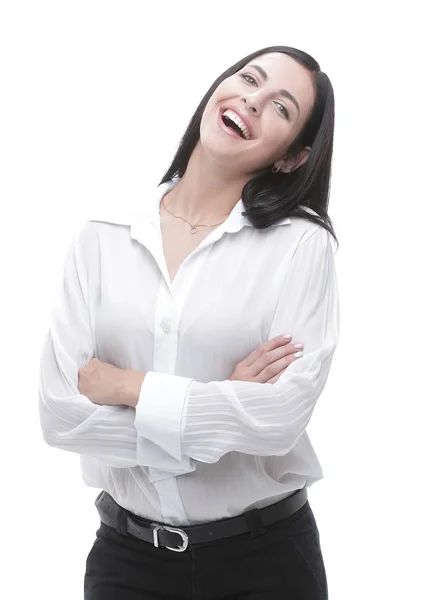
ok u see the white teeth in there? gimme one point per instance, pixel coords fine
(230, 114)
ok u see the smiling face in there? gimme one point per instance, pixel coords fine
(254, 115)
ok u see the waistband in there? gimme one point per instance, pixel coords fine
(179, 539)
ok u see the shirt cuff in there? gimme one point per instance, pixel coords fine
(160, 464)
(160, 408)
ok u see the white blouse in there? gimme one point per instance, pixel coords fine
(197, 447)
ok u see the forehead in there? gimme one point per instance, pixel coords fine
(285, 72)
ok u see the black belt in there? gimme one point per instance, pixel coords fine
(177, 539)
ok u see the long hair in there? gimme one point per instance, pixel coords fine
(270, 197)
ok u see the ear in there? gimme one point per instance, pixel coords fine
(286, 165)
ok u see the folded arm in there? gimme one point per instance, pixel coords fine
(69, 420)
(204, 421)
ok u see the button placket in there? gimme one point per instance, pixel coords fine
(165, 355)
(166, 331)
(169, 304)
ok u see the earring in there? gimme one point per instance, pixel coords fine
(275, 169)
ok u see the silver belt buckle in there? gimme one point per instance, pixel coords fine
(156, 528)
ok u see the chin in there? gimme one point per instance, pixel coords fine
(222, 155)
(222, 151)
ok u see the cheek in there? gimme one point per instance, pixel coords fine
(226, 90)
(213, 104)
(221, 94)
(208, 115)
(271, 146)
(276, 136)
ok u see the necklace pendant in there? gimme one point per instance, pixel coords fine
(193, 230)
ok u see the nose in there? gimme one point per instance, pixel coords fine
(251, 104)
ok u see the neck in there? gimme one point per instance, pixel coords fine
(206, 192)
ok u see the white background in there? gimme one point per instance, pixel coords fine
(95, 97)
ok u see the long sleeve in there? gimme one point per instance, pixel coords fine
(69, 420)
(208, 420)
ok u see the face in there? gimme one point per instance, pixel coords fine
(254, 115)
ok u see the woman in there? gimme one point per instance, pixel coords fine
(190, 342)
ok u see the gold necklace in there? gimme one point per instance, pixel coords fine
(193, 228)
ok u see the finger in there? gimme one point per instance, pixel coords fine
(276, 342)
(271, 370)
(273, 356)
(276, 377)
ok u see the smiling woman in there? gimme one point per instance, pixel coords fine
(265, 111)
(172, 364)
(286, 104)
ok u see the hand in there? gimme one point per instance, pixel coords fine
(267, 362)
(105, 384)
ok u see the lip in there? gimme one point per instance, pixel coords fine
(242, 116)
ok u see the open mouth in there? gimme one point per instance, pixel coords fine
(232, 121)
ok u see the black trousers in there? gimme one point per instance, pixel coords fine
(284, 563)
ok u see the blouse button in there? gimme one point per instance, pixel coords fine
(166, 327)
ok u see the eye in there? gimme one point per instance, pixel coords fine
(282, 109)
(250, 79)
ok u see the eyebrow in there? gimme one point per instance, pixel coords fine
(282, 92)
